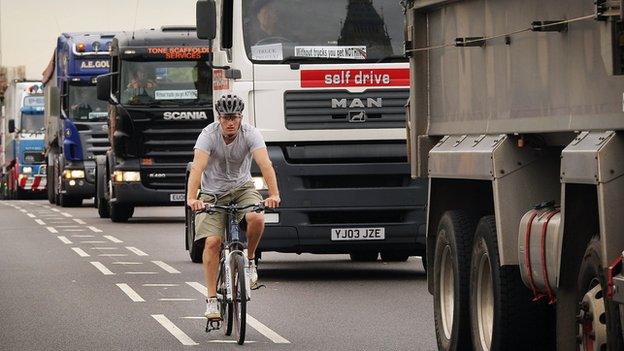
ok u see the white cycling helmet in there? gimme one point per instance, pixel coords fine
(229, 104)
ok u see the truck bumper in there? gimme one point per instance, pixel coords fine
(137, 194)
(78, 188)
(317, 198)
(36, 183)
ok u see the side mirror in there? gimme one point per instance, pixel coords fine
(104, 87)
(11, 125)
(206, 17)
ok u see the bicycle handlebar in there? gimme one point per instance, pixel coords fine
(210, 208)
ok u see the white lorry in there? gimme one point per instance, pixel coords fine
(325, 82)
(516, 118)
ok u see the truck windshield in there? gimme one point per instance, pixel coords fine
(84, 105)
(323, 30)
(166, 83)
(31, 123)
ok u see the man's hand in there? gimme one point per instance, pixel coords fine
(272, 201)
(196, 204)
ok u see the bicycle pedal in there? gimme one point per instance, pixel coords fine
(256, 287)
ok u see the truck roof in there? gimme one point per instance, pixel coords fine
(163, 36)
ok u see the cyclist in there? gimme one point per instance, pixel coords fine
(222, 160)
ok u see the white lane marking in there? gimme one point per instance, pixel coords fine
(80, 252)
(166, 267)
(113, 239)
(127, 263)
(136, 251)
(82, 236)
(226, 341)
(133, 295)
(105, 248)
(94, 229)
(40, 222)
(93, 242)
(68, 226)
(66, 214)
(162, 285)
(102, 268)
(174, 330)
(175, 299)
(113, 255)
(64, 239)
(141, 272)
(264, 330)
(73, 230)
(79, 221)
(55, 209)
(254, 323)
(31, 215)
(199, 287)
(52, 230)
(23, 210)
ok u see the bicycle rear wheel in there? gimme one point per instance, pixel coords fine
(239, 299)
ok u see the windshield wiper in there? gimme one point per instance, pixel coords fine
(391, 57)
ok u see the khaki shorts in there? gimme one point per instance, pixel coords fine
(214, 224)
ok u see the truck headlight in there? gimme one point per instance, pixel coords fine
(127, 176)
(27, 169)
(259, 183)
(73, 173)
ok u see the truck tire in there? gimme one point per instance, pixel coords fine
(502, 314)
(598, 325)
(195, 247)
(364, 256)
(51, 179)
(120, 212)
(101, 200)
(451, 273)
(394, 256)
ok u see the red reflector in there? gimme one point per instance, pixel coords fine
(614, 269)
(147, 161)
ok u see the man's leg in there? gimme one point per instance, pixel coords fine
(255, 228)
(211, 263)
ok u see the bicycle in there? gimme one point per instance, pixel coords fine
(233, 287)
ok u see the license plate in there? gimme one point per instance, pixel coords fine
(340, 234)
(176, 197)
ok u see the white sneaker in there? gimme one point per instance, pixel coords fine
(212, 309)
(253, 273)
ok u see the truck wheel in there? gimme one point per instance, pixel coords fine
(451, 280)
(364, 256)
(195, 247)
(394, 256)
(101, 201)
(120, 212)
(598, 322)
(51, 181)
(503, 316)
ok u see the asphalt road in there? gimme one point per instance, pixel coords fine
(72, 281)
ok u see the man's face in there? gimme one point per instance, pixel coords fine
(230, 123)
(267, 18)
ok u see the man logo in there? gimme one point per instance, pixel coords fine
(357, 116)
(185, 115)
(344, 103)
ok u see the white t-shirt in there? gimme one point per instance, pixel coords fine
(229, 165)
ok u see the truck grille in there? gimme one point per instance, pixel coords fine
(168, 145)
(94, 138)
(340, 109)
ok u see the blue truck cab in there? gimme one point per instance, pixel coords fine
(75, 121)
(24, 172)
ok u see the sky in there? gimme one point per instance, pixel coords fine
(29, 28)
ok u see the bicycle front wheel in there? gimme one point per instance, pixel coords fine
(239, 298)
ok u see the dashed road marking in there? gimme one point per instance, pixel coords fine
(80, 252)
(66, 214)
(73, 230)
(52, 230)
(166, 267)
(82, 236)
(163, 285)
(226, 341)
(23, 210)
(113, 239)
(199, 287)
(175, 299)
(113, 255)
(68, 226)
(79, 221)
(105, 248)
(64, 239)
(133, 295)
(127, 263)
(40, 222)
(94, 229)
(93, 242)
(102, 268)
(55, 209)
(174, 330)
(136, 251)
(31, 215)
(139, 273)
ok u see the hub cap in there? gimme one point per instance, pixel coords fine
(592, 321)
(485, 302)
(447, 292)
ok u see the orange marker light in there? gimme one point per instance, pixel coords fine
(81, 47)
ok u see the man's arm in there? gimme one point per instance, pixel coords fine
(261, 156)
(200, 161)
